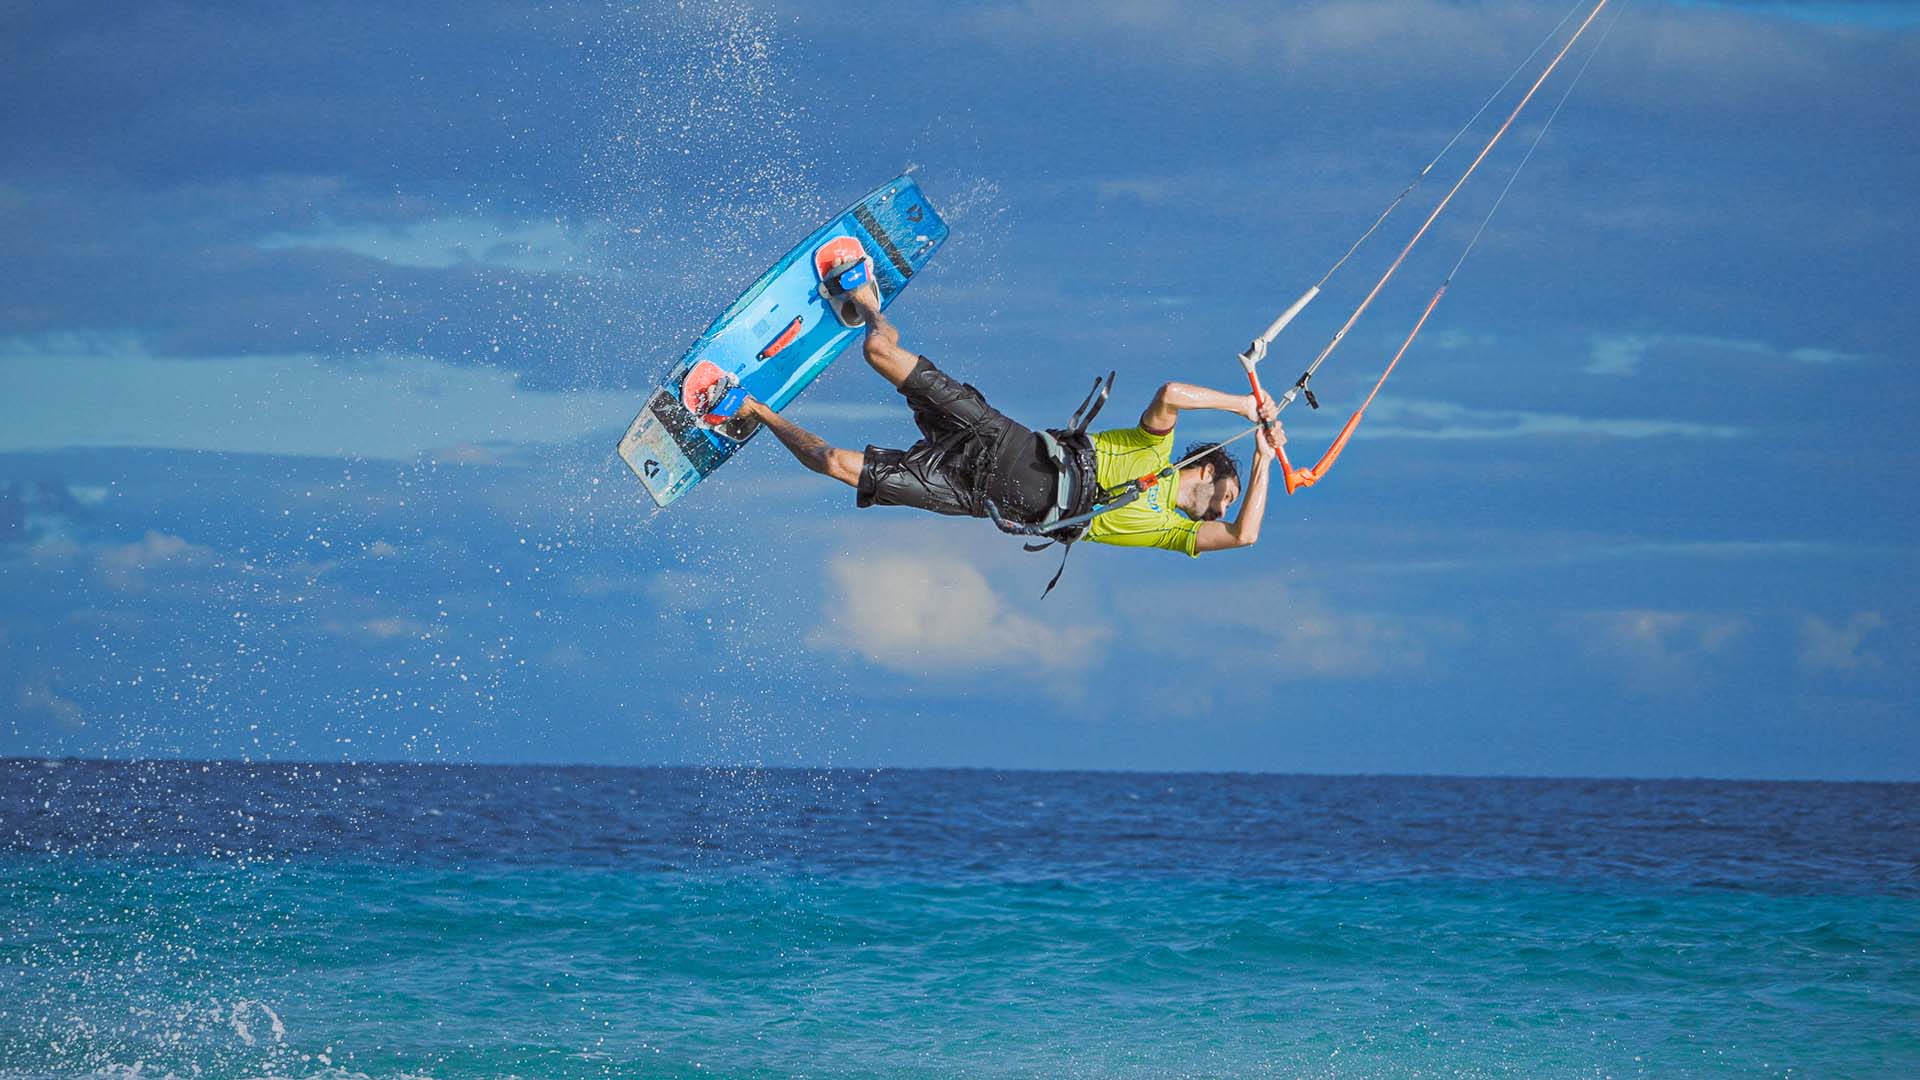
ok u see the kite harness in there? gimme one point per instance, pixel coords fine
(1078, 498)
(1076, 509)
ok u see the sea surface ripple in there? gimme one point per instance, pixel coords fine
(221, 919)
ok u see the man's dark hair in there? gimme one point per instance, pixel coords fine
(1224, 467)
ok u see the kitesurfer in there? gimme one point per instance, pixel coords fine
(974, 461)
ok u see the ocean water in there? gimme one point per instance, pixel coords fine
(227, 920)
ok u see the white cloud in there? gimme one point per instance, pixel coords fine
(130, 566)
(1478, 341)
(44, 516)
(1241, 34)
(1658, 650)
(1264, 623)
(1825, 647)
(1141, 189)
(381, 628)
(1324, 645)
(1681, 60)
(1401, 418)
(1882, 13)
(932, 613)
(438, 243)
(1512, 554)
(1623, 354)
(72, 391)
(39, 698)
(675, 593)
(1666, 628)
(464, 454)
(392, 626)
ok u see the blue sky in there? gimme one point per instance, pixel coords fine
(322, 321)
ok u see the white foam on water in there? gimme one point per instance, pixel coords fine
(337, 1073)
(238, 1018)
(139, 1070)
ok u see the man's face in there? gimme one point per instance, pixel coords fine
(1224, 492)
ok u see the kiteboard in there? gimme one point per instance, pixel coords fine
(778, 336)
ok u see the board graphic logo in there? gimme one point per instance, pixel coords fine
(914, 214)
(651, 468)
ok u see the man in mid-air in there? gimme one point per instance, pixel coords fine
(971, 454)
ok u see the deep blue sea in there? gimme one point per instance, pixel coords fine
(226, 920)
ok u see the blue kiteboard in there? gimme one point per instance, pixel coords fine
(778, 337)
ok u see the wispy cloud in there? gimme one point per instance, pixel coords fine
(1401, 418)
(437, 243)
(43, 515)
(1827, 647)
(1327, 645)
(1658, 651)
(1624, 354)
(1141, 189)
(382, 628)
(1267, 623)
(1532, 551)
(69, 391)
(132, 567)
(1231, 33)
(1735, 49)
(1881, 13)
(938, 613)
(38, 698)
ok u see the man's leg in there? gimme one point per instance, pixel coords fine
(882, 346)
(809, 449)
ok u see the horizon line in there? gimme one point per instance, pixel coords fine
(1116, 771)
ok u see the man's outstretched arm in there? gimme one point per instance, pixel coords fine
(1175, 398)
(809, 449)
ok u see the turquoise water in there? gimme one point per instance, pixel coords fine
(494, 923)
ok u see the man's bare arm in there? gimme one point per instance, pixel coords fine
(809, 449)
(1175, 398)
(1244, 530)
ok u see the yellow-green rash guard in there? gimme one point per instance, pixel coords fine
(1122, 456)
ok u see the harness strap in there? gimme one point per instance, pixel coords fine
(1134, 491)
(1066, 549)
(1090, 408)
(1060, 525)
(1063, 478)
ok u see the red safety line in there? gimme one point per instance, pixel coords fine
(1299, 478)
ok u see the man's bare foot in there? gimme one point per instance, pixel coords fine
(745, 420)
(865, 301)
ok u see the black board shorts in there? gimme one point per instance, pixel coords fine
(969, 452)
